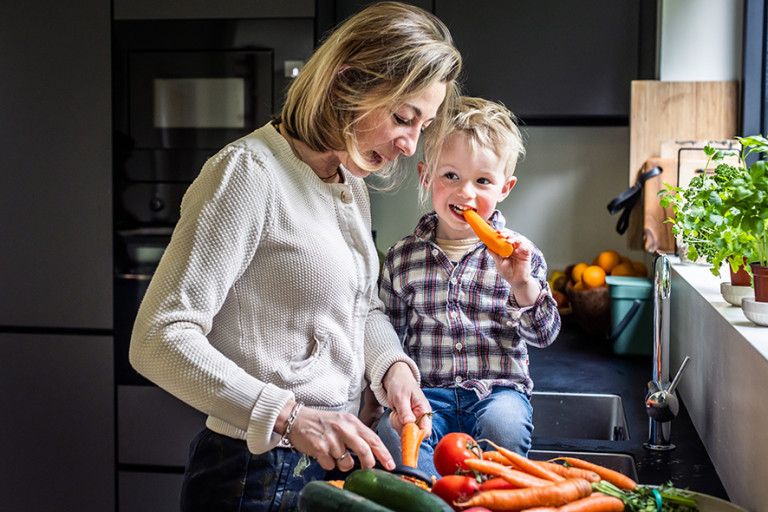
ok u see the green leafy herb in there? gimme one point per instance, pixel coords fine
(643, 497)
(723, 217)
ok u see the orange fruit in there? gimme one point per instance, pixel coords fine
(577, 271)
(608, 259)
(593, 276)
(624, 259)
(640, 269)
(560, 298)
(579, 286)
(623, 269)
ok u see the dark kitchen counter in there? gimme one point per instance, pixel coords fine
(580, 362)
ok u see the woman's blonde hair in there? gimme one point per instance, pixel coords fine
(380, 57)
(486, 124)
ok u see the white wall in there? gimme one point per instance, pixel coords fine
(700, 40)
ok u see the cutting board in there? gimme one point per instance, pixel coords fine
(675, 111)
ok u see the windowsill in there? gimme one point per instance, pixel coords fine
(707, 285)
(723, 388)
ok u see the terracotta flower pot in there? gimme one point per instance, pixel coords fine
(742, 277)
(760, 274)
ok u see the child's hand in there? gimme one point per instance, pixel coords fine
(516, 269)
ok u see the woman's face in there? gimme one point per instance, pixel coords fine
(384, 135)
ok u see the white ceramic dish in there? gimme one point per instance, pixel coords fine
(707, 503)
(756, 312)
(734, 294)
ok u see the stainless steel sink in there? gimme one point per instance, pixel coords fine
(621, 462)
(596, 416)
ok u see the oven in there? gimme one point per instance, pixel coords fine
(182, 91)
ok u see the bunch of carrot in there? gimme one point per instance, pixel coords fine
(539, 486)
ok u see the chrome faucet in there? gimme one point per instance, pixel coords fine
(661, 403)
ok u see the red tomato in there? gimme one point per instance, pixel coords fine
(455, 488)
(452, 450)
(496, 483)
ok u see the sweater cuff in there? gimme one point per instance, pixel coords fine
(380, 369)
(260, 436)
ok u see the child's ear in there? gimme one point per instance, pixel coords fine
(422, 168)
(507, 187)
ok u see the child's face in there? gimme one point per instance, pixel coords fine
(466, 179)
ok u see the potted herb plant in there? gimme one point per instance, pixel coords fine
(723, 217)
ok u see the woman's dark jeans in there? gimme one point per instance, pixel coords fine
(223, 476)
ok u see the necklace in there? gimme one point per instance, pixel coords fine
(325, 179)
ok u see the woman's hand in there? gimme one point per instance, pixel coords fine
(328, 436)
(516, 270)
(406, 399)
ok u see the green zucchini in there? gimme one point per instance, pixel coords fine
(320, 496)
(391, 491)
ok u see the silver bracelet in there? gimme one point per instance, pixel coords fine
(289, 424)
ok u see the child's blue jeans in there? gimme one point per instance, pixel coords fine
(505, 417)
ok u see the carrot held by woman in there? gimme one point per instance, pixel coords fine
(411, 440)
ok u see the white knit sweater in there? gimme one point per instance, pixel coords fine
(266, 292)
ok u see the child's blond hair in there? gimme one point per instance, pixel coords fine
(487, 124)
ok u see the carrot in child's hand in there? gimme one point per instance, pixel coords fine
(515, 477)
(620, 480)
(489, 236)
(596, 502)
(413, 435)
(523, 463)
(552, 495)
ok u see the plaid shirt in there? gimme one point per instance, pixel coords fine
(460, 323)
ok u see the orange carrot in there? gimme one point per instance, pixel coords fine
(596, 502)
(513, 476)
(523, 463)
(496, 483)
(496, 456)
(410, 442)
(570, 472)
(489, 236)
(620, 480)
(552, 495)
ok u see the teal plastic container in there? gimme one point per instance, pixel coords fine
(631, 315)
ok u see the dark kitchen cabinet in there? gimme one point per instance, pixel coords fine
(555, 61)
(55, 186)
(205, 9)
(57, 428)
(56, 362)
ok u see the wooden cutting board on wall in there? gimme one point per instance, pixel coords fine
(675, 111)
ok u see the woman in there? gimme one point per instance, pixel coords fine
(263, 312)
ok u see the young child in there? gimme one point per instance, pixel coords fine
(464, 314)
